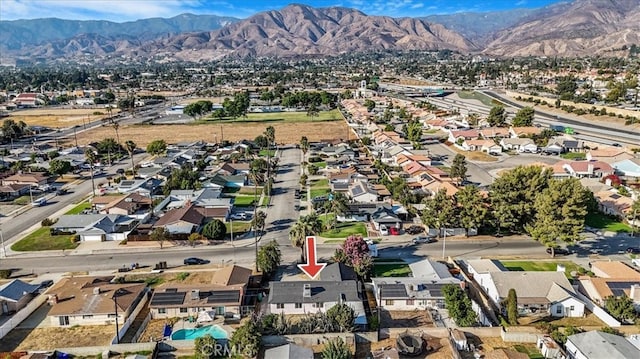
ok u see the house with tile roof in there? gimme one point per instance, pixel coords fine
(94, 301)
(613, 203)
(608, 154)
(581, 169)
(487, 146)
(612, 279)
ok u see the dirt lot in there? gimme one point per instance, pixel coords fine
(285, 132)
(51, 338)
(440, 348)
(57, 118)
(406, 319)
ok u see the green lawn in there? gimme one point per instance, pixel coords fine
(320, 164)
(574, 156)
(239, 227)
(265, 201)
(344, 230)
(541, 266)
(264, 153)
(244, 201)
(391, 270)
(301, 116)
(42, 240)
(607, 223)
(79, 208)
(249, 190)
(22, 200)
(530, 350)
(320, 188)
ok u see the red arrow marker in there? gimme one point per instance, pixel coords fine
(312, 268)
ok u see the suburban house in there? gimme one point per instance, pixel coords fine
(288, 351)
(519, 144)
(609, 155)
(95, 227)
(537, 292)
(630, 169)
(612, 279)
(15, 295)
(133, 205)
(581, 169)
(94, 301)
(526, 131)
(421, 291)
(225, 296)
(613, 203)
(494, 132)
(481, 145)
(185, 220)
(12, 191)
(34, 179)
(302, 297)
(361, 192)
(460, 136)
(146, 187)
(596, 345)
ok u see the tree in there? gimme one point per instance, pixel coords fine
(183, 178)
(369, 104)
(270, 134)
(459, 305)
(308, 225)
(108, 146)
(269, 257)
(513, 196)
(613, 331)
(204, 346)
(497, 116)
(157, 147)
(59, 167)
(567, 88)
(343, 316)
(304, 145)
(159, 235)
(131, 146)
(524, 117)
(560, 210)
(337, 204)
(259, 221)
(195, 237)
(336, 349)
(459, 167)
(471, 208)
(261, 141)
(354, 252)
(246, 339)
(438, 211)
(512, 307)
(621, 307)
(312, 111)
(215, 230)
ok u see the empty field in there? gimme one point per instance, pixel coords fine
(59, 118)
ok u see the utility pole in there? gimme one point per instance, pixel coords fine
(115, 301)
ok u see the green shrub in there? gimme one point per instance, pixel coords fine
(5, 273)
(47, 222)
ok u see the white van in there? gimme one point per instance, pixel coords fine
(384, 230)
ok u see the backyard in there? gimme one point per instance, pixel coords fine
(542, 266)
(42, 240)
(320, 188)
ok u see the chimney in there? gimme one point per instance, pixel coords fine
(590, 168)
(96, 290)
(306, 291)
(53, 299)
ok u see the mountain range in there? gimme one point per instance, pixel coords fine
(581, 27)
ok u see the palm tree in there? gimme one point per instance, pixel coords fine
(259, 221)
(131, 147)
(338, 205)
(91, 157)
(255, 175)
(308, 225)
(116, 126)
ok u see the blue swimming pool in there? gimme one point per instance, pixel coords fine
(190, 334)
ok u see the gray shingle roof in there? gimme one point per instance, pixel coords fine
(338, 272)
(15, 290)
(288, 351)
(292, 292)
(530, 284)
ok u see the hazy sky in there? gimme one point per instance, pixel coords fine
(126, 10)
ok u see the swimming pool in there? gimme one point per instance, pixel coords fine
(190, 334)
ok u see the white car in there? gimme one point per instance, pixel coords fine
(239, 216)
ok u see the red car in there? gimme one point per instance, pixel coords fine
(394, 231)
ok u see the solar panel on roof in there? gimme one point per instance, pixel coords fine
(615, 196)
(224, 296)
(171, 298)
(393, 291)
(357, 191)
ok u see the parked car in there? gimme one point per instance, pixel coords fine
(39, 202)
(394, 231)
(414, 229)
(633, 250)
(559, 251)
(424, 239)
(194, 260)
(61, 191)
(239, 216)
